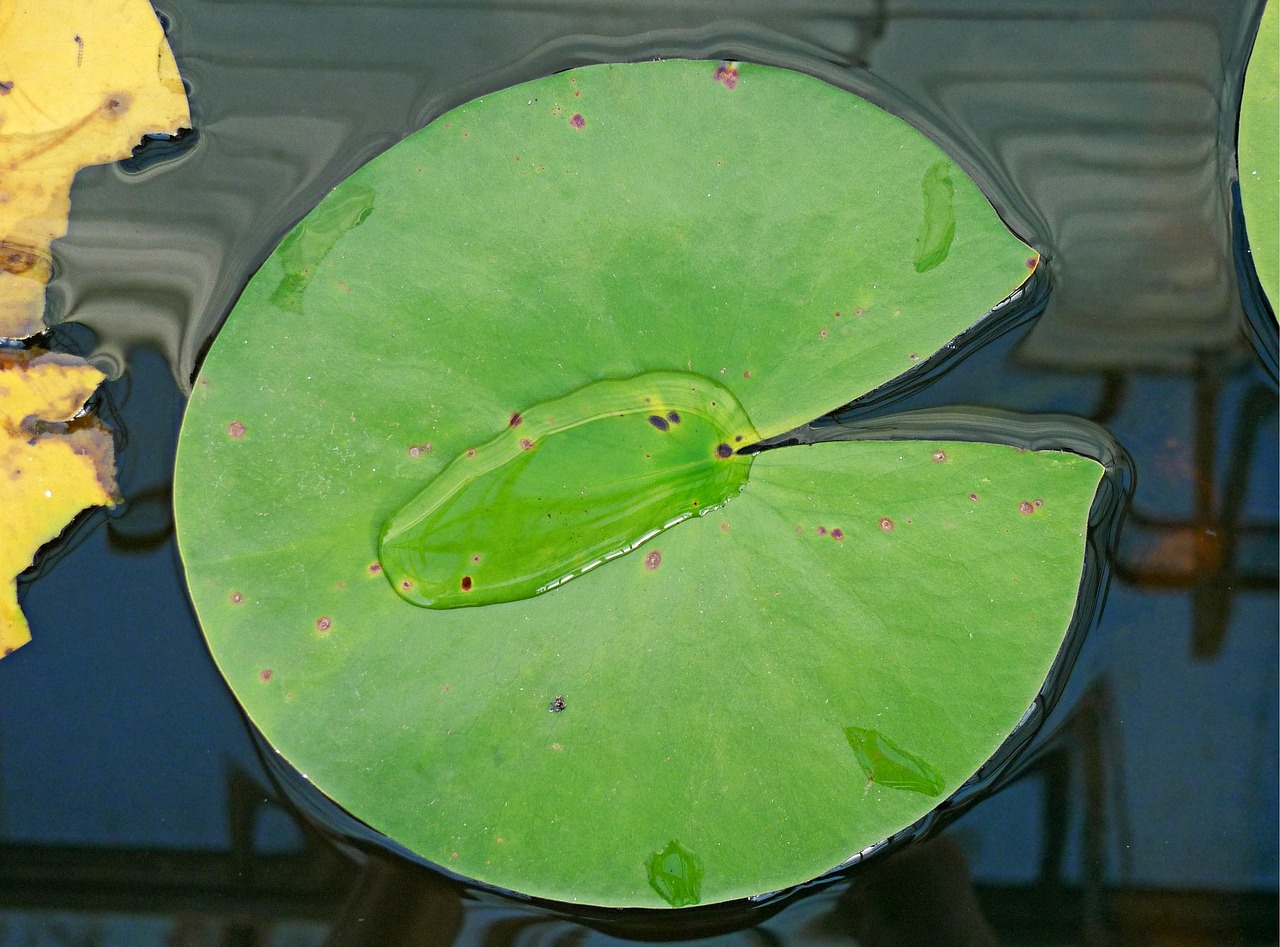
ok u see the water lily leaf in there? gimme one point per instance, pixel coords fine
(1259, 152)
(834, 641)
(79, 85)
(49, 471)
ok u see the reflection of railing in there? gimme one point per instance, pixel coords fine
(1083, 757)
(347, 897)
(242, 887)
(1215, 553)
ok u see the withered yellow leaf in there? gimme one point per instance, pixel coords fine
(81, 83)
(45, 480)
(43, 386)
(49, 470)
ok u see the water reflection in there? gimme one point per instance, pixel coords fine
(130, 799)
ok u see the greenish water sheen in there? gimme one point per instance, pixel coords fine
(938, 228)
(302, 251)
(676, 874)
(885, 762)
(569, 485)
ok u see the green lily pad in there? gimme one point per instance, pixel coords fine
(833, 641)
(1258, 153)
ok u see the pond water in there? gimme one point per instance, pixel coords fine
(135, 807)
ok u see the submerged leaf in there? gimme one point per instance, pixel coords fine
(534, 257)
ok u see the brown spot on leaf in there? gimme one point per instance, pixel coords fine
(1025, 508)
(823, 333)
(557, 704)
(837, 534)
(577, 121)
(266, 674)
(323, 623)
(235, 430)
(724, 451)
(471, 452)
(886, 524)
(465, 584)
(659, 422)
(115, 104)
(673, 417)
(375, 568)
(653, 560)
(939, 456)
(727, 74)
(515, 420)
(6, 87)
(236, 598)
(822, 531)
(973, 497)
(1037, 503)
(526, 444)
(16, 258)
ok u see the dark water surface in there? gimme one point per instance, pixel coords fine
(134, 807)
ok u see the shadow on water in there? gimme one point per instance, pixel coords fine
(1137, 801)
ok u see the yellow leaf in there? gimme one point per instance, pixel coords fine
(45, 386)
(45, 480)
(50, 470)
(81, 83)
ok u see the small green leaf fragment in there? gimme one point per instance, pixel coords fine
(302, 252)
(889, 765)
(1259, 153)
(569, 485)
(676, 874)
(939, 225)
